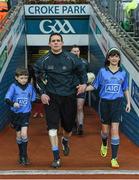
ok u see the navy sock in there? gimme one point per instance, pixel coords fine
(114, 150)
(56, 153)
(104, 137)
(19, 143)
(24, 147)
(65, 141)
(114, 146)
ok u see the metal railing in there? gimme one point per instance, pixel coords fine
(6, 23)
(126, 42)
(56, 1)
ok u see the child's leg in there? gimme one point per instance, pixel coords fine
(19, 143)
(104, 137)
(24, 142)
(104, 133)
(115, 139)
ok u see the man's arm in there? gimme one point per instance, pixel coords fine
(40, 75)
(80, 71)
(41, 81)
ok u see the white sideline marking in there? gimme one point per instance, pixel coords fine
(68, 172)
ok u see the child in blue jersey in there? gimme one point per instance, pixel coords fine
(20, 96)
(113, 84)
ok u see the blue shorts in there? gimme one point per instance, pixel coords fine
(19, 120)
(110, 110)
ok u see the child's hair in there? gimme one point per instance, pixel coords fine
(112, 52)
(21, 71)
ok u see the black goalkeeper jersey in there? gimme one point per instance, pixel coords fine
(61, 71)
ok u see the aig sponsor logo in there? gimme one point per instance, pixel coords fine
(57, 26)
(112, 88)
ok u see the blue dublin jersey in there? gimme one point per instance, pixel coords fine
(24, 97)
(112, 85)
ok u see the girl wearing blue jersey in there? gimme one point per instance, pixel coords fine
(20, 96)
(113, 84)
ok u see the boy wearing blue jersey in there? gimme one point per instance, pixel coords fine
(113, 83)
(20, 96)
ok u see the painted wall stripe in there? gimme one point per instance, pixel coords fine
(68, 172)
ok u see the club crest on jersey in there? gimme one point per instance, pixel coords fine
(50, 67)
(112, 88)
(64, 67)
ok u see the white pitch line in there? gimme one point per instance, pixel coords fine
(68, 172)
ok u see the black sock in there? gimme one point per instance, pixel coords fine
(19, 143)
(104, 141)
(115, 141)
(56, 154)
(114, 150)
(24, 146)
(64, 141)
(20, 150)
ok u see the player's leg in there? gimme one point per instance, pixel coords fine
(68, 115)
(52, 119)
(65, 142)
(116, 111)
(104, 138)
(80, 115)
(104, 117)
(16, 122)
(24, 136)
(115, 140)
(55, 149)
(19, 143)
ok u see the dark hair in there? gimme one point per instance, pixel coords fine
(21, 71)
(55, 34)
(75, 46)
(112, 52)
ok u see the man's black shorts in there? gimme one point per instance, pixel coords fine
(110, 110)
(61, 110)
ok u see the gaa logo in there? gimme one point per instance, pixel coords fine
(56, 26)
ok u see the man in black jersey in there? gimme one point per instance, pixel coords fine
(59, 94)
